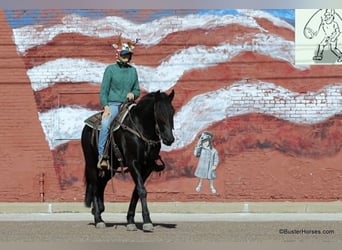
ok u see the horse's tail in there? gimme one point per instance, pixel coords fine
(90, 182)
(90, 156)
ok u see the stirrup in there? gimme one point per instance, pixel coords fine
(103, 163)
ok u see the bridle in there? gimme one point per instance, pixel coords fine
(139, 134)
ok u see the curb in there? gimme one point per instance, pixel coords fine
(178, 207)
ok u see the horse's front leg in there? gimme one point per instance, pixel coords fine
(139, 193)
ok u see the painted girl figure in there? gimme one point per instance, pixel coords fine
(207, 162)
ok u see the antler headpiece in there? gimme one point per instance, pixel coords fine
(123, 48)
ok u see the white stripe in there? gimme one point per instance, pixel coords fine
(63, 124)
(65, 70)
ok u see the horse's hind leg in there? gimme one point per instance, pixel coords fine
(131, 211)
(88, 199)
(95, 185)
(98, 205)
(97, 210)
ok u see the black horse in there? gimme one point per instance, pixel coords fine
(138, 139)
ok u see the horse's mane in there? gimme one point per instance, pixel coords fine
(149, 97)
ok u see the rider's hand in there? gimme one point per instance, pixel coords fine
(106, 112)
(130, 96)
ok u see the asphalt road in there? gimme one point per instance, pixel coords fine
(60, 228)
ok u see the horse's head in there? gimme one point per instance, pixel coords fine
(163, 113)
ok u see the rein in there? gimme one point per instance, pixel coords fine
(136, 132)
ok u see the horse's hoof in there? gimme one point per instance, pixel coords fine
(131, 227)
(101, 225)
(148, 227)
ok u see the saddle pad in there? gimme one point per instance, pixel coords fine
(94, 121)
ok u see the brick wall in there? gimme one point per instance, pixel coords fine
(24, 153)
(262, 156)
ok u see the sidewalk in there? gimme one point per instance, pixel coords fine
(178, 207)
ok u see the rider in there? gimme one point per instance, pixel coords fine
(119, 84)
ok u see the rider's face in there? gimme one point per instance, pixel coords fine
(125, 58)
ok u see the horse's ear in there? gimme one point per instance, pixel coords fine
(171, 95)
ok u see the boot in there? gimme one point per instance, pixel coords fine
(103, 163)
(158, 168)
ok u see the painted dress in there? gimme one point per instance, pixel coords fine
(208, 158)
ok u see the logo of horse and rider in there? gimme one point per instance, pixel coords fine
(328, 23)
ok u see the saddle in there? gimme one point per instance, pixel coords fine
(94, 122)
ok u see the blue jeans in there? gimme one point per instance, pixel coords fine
(105, 125)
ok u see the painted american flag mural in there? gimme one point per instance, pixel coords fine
(276, 125)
